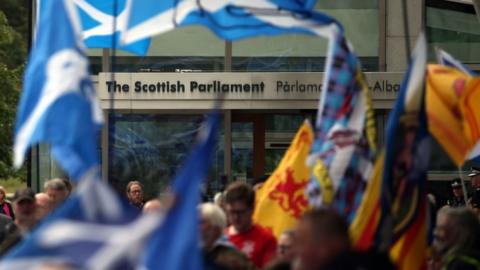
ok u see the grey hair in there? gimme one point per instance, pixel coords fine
(56, 184)
(464, 225)
(214, 214)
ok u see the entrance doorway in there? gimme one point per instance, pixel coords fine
(260, 139)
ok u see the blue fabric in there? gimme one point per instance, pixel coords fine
(407, 154)
(176, 243)
(96, 17)
(70, 121)
(230, 21)
(94, 204)
(344, 87)
(448, 60)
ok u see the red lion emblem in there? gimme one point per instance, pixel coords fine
(290, 195)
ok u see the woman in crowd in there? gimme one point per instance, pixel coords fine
(5, 206)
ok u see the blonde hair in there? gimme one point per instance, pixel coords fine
(214, 214)
(2, 190)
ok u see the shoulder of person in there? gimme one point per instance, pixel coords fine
(11, 237)
(464, 262)
(230, 258)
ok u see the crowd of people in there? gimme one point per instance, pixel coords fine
(230, 239)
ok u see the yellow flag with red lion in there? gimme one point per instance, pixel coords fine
(281, 201)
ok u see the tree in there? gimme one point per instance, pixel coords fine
(12, 58)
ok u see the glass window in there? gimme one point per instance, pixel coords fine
(455, 28)
(307, 53)
(151, 148)
(192, 48)
(242, 151)
(280, 129)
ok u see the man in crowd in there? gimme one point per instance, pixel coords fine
(474, 201)
(25, 219)
(322, 242)
(57, 190)
(285, 249)
(135, 194)
(219, 253)
(254, 241)
(153, 206)
(44, 205)
(457, 200)
(457, 239)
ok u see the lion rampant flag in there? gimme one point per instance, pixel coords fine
(281, 201)
(453, 111)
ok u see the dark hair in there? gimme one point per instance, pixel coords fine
(326, 221)
(239, 191)
(131, 183)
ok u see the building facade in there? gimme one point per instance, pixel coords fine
(153, 105)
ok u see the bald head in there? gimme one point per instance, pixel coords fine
(44, 205)
(153, 206)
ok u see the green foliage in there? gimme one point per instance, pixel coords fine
(17, 16)
(12, 58)
(11, 184)
(12, 46)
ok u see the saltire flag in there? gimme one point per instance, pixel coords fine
(91, 230)
(102, 22)
(282, 200)
(393, 213)
(448, 60)
(175, 244)
(59, 104)
(453, 111)
(228, 19)
(344, 149)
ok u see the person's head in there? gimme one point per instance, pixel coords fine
(69, 186)
(212, 223)
(3, 194)
(239, 204)
(475, 177)
(153, 206)
(285, 247)
(44, 205)
(135, 192)
(457, 188)
(321, 235)
(457, 229)
(24, 208)
(56, 190)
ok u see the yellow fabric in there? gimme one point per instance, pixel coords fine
(410, 251)
(281, 201)
(368, 214)
(453, 111)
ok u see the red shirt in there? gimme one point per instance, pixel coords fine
(257, 243)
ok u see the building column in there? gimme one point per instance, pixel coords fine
(396, 54)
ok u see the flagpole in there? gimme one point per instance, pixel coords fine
(464, 189)
(111, 109)
(406, 30)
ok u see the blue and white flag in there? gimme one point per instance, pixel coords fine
(448, 60)
(91, 230)
(102, 22)
(59, 104)
(178, 236)
(344, 148)
(229, 19)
